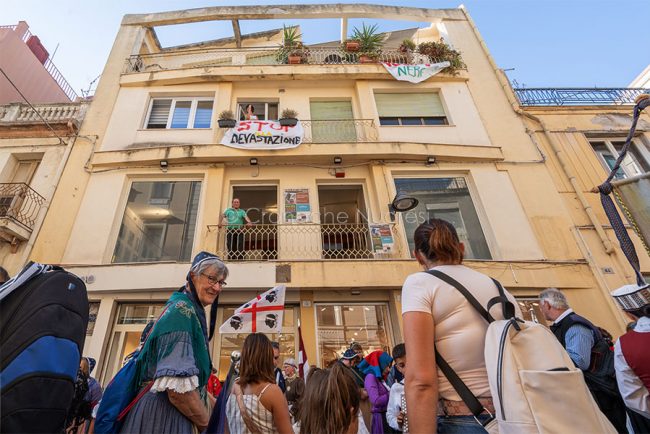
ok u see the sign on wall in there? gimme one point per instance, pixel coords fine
(296, 206)
(263, 135)
(414, 73)
(382, 238)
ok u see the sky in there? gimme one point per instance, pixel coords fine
(540, 43)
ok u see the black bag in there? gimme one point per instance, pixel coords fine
(43, 320)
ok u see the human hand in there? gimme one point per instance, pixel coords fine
(400, 418)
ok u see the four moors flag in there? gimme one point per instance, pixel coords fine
(262, 314)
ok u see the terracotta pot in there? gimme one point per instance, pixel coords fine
(294, 60)
(352, 46)
(366, 59)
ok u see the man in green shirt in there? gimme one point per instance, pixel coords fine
(235, 219)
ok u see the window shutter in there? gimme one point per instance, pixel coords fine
(159, 113)
(409, 105)
(330, 110)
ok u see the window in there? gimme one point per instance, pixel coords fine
(93, 309)
(180, 113)
(337, 326)
(636, 162)
(447, 199)
(409, 109)
(263, 110)
(530, 310)
(234, 342)
(159, 222)
(332, 122)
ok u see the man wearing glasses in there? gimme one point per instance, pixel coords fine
(279, 378)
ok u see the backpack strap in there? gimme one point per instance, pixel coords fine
(470, 400)
(507, 307)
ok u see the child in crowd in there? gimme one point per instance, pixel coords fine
(395, 412)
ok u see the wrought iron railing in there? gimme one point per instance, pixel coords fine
(60, 80)
(339, 131)
(297, 241)
(258, 56)
(577, 96)
(20, 203)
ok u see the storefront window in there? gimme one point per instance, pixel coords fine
(93, 309)
(234, 342)
(530, 310)
(338, 326)
(447, 199)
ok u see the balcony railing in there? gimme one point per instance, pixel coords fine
(578, 96)
(256, 56)
(53, 113)
(19, 203)
(339, 131)
(297, 241)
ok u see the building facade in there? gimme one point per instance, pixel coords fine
(135, 205)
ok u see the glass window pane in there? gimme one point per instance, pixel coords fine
(93, 309)
(159, 222)
(447, 199)
(607, 158)
(338, 326)
(159, 113)
(203, 114)
(138, 313)
(181, 114)
(531, 311)
(411, 121)
(234, 342)
(388, 121)
(435, 121)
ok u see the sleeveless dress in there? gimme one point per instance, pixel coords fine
(261, 416)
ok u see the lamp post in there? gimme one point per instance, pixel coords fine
(401, 203)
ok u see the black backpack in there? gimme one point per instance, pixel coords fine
(43, 320)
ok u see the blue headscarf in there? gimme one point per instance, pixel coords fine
(375, 363)
(200, 310)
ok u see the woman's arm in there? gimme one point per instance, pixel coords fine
(191, 406)
(274, 400)
(421, 384)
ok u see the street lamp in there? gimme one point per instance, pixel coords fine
(401, 203)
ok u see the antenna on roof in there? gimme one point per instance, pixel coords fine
(86, 93)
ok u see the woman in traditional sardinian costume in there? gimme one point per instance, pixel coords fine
(175, 360)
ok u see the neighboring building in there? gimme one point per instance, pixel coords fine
(642, 80)
(134, 206)
(34, 145)
(26, 61)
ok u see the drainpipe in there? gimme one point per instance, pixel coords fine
(505, 84)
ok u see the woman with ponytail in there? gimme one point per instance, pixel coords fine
(330, 404)
(436, 314)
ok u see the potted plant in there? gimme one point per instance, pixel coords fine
(227, 119)
(370, 42)
(288, 118)
(351, 45)
(440, 52)
(292, 50)
(407, 46)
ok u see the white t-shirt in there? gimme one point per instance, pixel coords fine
(458, 328)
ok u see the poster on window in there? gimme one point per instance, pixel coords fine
(414, 73)
(257, 134)
(382, 238)
(296, 206)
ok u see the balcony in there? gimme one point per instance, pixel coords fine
(578, 96)
(184, 59)
(298, 241)
(19, 207)
(339, 131)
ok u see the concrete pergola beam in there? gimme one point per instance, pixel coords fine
(237, 31)
(223, 13)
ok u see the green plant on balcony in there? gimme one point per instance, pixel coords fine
(407, 46)
(292, 50)
(370, 42)
(441, 52)
(288, 118)
(227, 119)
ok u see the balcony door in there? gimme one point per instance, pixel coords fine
(13, 195)
(259, 241)
(344, 222)
(332, 121)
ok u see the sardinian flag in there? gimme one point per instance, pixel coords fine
(303, 363)
(261, 314)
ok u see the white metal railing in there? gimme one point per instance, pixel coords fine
(60, 112)
(297, 241)
(258, 56)
(60, 80)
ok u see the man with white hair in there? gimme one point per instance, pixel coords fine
(581, 339)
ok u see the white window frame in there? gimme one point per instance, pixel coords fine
(194, 103)
(437, 91)
(636, 145)
(241, 105)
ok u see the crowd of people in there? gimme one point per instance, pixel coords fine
(370, 391)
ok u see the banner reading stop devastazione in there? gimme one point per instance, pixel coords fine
(263, 135)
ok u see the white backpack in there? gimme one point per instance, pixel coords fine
(535, 386)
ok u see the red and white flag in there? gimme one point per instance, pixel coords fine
(262, 314)
(303, 363)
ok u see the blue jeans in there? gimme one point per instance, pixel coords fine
(461, 424)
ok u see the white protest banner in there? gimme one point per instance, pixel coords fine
(262, 314)
(256, 134)
(414, 73)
